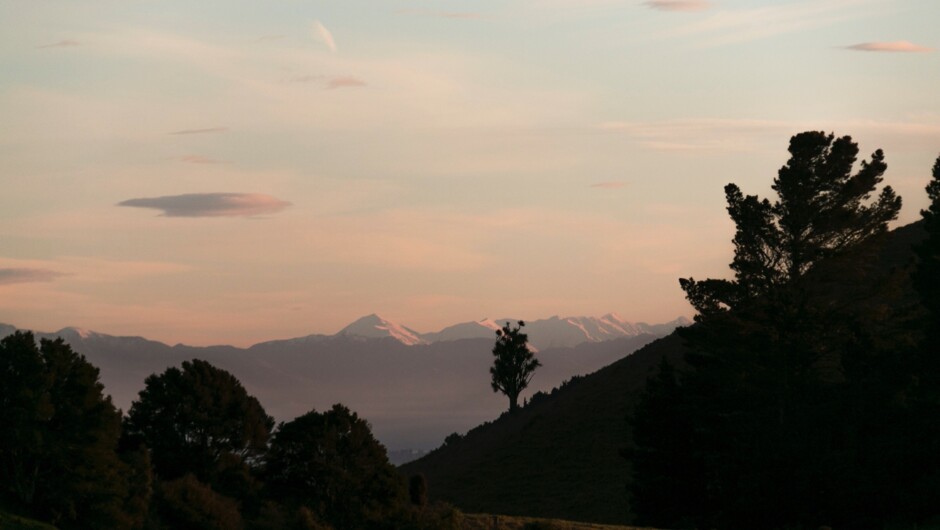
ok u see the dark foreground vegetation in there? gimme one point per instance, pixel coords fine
(811, 392)
(194, 452)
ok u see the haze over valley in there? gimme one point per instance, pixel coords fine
(414, 388)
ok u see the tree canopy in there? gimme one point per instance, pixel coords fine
(822, 211)
(330, 463)
(196, 420)
(793, 363)
(58, 443)
(514, 363)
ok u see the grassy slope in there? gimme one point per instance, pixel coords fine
(503, 522)
(14, 522)
(556, 458)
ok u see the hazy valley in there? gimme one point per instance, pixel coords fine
(413, 388)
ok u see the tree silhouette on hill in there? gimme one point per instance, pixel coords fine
(514, 364)
(787, 412)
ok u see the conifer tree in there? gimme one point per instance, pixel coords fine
(761, 400)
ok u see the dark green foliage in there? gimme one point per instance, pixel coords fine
(200, 420)
(330, 463)
(928, 269)
(58, 443)
(437, 516)
(924, 398)
(15, 522)
(792, 411)
(820, 213)
(538, 525)
(188, 504)
(274, 516)
(666, 461)
(418, 490)
(514, 363)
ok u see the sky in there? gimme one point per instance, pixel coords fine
(237, 171)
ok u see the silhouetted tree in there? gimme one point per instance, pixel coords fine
(199, 420)
(928, 269)
(762, 407)
(514, 363)
(418, 490)
(330, 463)
(923, 486)
(59, 437)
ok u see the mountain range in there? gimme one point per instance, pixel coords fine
(554, 332)
(414, 388)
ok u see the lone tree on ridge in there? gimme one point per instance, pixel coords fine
(514, 364)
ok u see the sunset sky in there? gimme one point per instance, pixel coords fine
(226, 171)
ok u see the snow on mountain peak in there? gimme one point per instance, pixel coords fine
(81, 332)
(373, 326)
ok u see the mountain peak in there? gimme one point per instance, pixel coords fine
(74, 331)
(373, 326)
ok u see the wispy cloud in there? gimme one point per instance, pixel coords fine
(678, 5)
(211, 204)
(734, 26)
(305, 78)
(207, 130)
(344, 82)
(895, 46)
(68, 43)
(613, 185)
(27, 275)
(741, 135)
(198, 159)
(443, 14)
(323, 35)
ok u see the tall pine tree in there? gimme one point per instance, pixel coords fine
(768, 347)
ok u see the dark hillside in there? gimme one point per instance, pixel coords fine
(557, 457)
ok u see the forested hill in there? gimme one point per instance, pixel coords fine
(560, 455)
(556, 457)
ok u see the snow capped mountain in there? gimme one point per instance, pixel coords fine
(482, 329)
(558, 332)
(76, 332)
(554, 332)
(373, 327)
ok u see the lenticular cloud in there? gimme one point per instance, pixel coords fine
(211, 204)
(896, 46)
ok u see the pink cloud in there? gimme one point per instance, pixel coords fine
(207, 130)
(344, 82)
(324, 35)
(895, 46)
(678, 5)
(198, 159)
(61, 44)
(443, 14)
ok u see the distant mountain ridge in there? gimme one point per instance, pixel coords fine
(554, 332)
(414, 388)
